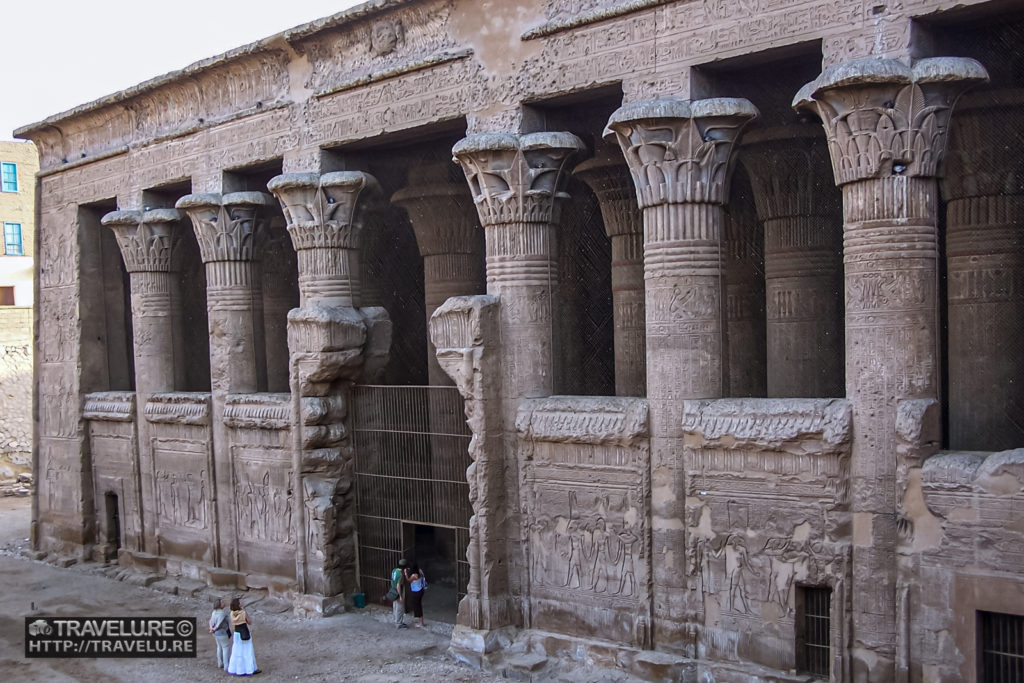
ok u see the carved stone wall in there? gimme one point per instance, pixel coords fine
(690, 534)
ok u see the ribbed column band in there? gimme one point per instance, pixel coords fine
(329, 276)
(151, 294)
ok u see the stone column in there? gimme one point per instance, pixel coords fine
(886, 126)
(331, 343)
(280, 294)
(147, 241)
(226, 229)
(802, 216)
(744, 293)
(679, 153)
(446, 228)
(985, 267)
(515, 181)
(610, 180)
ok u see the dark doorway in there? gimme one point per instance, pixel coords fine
(433, 550)
(113, 517)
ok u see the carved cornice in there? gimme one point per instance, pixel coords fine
(258, 411)
(798, 425)
(109, 406)
(883, 118)
(179, 408)
(226, 226)
(516, 178)
(441, 212)
(321, 209)
(583, 419)
(603, 14)
(680, 152)
(613, 185)
(146, 238)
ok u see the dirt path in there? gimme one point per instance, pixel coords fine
(357, 646)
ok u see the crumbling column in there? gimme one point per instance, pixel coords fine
(226, 229)
(679, 153)
(331, 343)
(985, 272)
(609, 178)
(886, 125)
(515, 181)
(446, 228)
(802, 216)
(147, 241)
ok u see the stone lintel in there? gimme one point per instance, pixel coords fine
(812, 426)
(583, 419)
(1000, 473)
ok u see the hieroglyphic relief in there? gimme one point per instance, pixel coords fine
(264, 509)
(378, 45)
(182, 498)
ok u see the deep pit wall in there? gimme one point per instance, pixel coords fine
(562, 487)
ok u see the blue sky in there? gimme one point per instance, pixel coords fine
(62, 53)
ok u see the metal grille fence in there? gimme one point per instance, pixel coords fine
(1002, 647)
(411, 454)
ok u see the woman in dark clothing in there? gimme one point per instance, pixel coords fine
(417, 583)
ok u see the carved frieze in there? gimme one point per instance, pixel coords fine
(147, 238)
(883, 118)
(109, 406)
(516, 178)
(258, 411)
(577, 419)
(680, 151)
(788, 425)
(179, 408)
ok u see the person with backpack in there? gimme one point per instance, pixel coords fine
(396, 593)
(219, 621)
(243, 659)
(417, 581)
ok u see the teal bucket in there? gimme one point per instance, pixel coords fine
(359, 600)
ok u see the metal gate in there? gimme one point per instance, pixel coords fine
(411, 454)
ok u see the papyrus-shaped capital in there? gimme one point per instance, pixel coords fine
(226, 226)
(516, 178)
(884, 118)
(680, 151)
(147, 239)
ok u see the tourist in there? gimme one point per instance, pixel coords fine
(396, 593)
(219, 621)
(243, 660)
(417, 582)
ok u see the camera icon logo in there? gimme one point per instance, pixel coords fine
(40, 627)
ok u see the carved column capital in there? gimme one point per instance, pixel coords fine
(226, 225)
(883, 118)
(147, 238)
(612, 183)
(516, 178)
(321, 209)
(321, 214)
(440, 210)
(679, 151)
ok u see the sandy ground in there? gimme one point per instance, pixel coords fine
(357, 646)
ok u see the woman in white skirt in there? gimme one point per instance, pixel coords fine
(243, 660)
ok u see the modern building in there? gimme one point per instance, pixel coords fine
(701, 359)
(19, 163)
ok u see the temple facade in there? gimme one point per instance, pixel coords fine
(681, 336)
